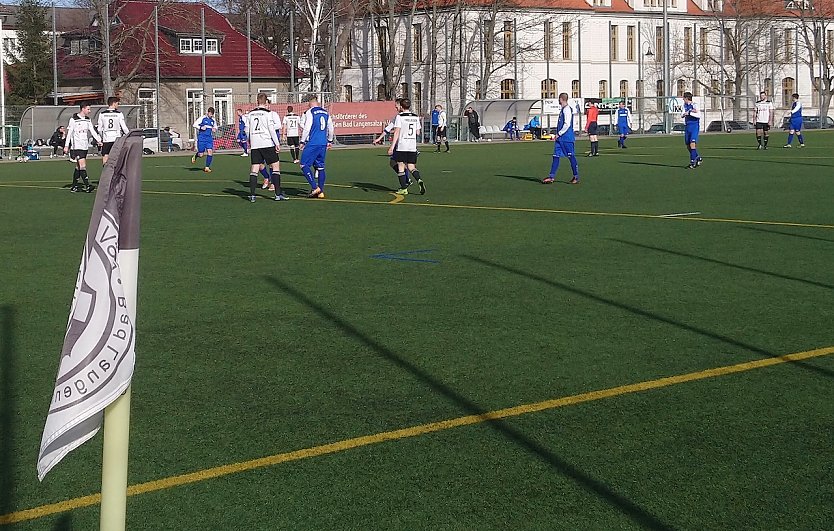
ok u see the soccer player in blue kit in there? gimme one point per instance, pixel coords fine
(624, 123)
(796, 122)
(565, 142)
(205, 127)
(316, 139)
(692, 118)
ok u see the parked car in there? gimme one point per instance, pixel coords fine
(149, 143)
(728, 126)
(656, 129)
(808, 122)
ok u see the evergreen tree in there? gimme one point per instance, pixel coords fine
(30, 76)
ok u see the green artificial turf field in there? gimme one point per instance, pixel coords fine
(333, 352)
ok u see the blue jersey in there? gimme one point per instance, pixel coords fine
(796, 116)
(241, 128)
(691, 115)
(205, 126)
(623, 119)
(435, 117)
(318, 128)
(564, 127)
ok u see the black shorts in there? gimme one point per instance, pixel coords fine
(593, 128)
(408, 157)
(266, 156)
(441, 131)
(106, 147)
(78, 154)
(763, 126)
(292, 141)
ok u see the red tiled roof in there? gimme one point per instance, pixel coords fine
(177, 19)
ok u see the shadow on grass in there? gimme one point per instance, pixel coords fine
(649, 315)
(722, 263)
(368, 187)
(603, 491)
(638, 163)
(792, 162)
(64, 523)
(244, 190)
(805, 236)
(521, 178)
(7, 409)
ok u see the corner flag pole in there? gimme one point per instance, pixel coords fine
(117, 414)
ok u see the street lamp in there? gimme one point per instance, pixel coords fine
(641, 83)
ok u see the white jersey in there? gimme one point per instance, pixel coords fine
(276, 121)
(111, 125)
(77, 133)
(409, 125)
(292, 125)
(764, 111)
(441, 119)
(260, 128)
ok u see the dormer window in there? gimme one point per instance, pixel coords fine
(83, 46)
(194, 45)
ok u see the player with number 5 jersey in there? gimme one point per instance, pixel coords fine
(315, 141)
(404, 146)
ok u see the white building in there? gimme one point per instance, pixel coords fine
(532, 49)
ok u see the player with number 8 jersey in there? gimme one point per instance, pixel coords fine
(315, 141)
(111, 125)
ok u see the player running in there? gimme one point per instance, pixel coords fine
(388, 129)
(78, 143)
(764, 119)
(205, 127)
(241, 134)
(624, 123)
(692, 118)
(796, 122)
(565, 142)
(264, 147)
(111, 125)
(407, 130)
(593, 128)
(292, 130)
(316, 139)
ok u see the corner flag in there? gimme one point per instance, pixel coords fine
(97, 358)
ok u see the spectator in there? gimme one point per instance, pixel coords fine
(535, 126)
(57, 141)
(511, 129)
(474, 123)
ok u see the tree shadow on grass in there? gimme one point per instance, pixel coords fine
(607, 494)
(770, 231)
(649, 315)
(368, 187)
(8, 407)
(727, 264)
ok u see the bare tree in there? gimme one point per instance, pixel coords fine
(389, 17)
(814, 18)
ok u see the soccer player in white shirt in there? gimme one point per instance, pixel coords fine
(263, 146)
(111, 125)
(764, 119)
(407, 130)
(77, 144)
(292, 132)
(440, 135)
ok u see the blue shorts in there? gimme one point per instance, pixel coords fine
(623, 129)
(204, 145)
(796, 124)
(314, 156)
(563, 149)
(691, 134)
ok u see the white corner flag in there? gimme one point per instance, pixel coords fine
(97, 358)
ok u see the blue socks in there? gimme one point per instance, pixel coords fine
(801, 140)
(574, 165)
(308, 174)
(208, 160)
(790, 139)
(554, 167)
(265, 173)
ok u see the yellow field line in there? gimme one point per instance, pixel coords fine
(494, 208)
(413, 431)
(397, 198)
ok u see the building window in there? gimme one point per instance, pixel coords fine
(612, 47)
(729, 88)
(639, 89)
(680, 88)
(417, 98)
(508, 40)
(348, 58)
(658, 44)
(223, 106)
(714, 89)
(549, 89)
(348, 93)
(815, 92)
(185, 46)
(478, 95)
(788, 88)
(548, 41)
(603, 88)
(768, 86)
(194, 108)
(790, 41)
(702, 46)
(271, 94)
(194, 45)
(566, 41)
(81, 46)
(146, 100)
(212, 46)
(630, 43)
(659, 93)
(417, 42)
(687, 44)
(574, 88)
(404, 90)
(624, 88)
(380, 92)
(508, 89)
